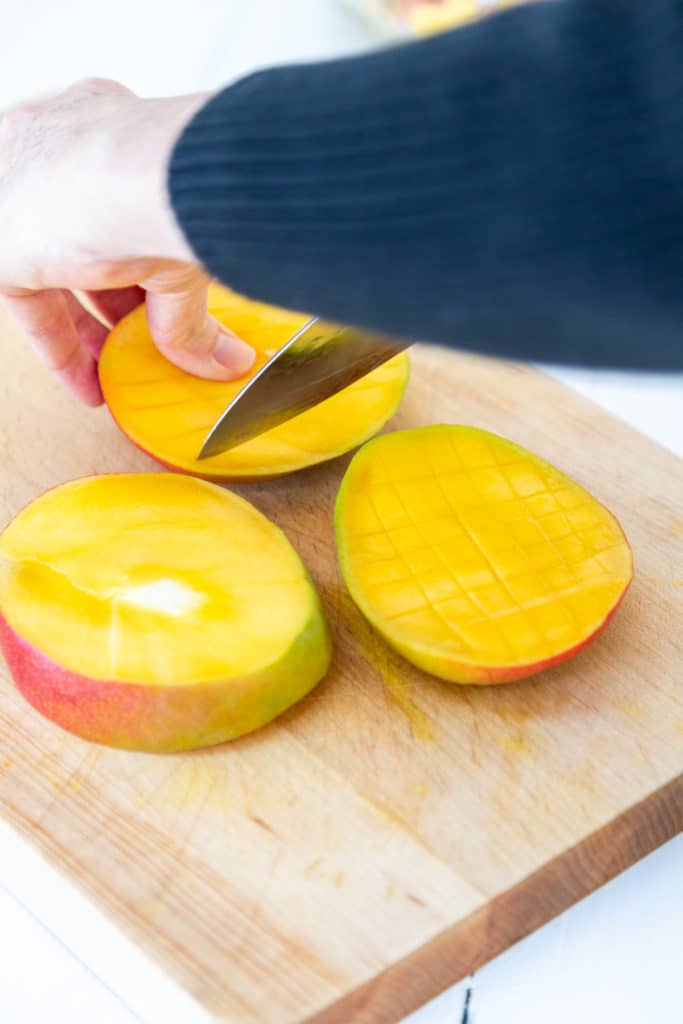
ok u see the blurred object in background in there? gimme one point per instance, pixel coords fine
(423, 17)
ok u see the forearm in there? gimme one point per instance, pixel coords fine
(515, 187)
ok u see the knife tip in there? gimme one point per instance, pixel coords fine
(208, 449)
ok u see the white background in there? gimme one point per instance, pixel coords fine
(617, 956)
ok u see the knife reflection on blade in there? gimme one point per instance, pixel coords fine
(318, 361)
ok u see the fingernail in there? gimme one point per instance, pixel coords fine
(233, 353)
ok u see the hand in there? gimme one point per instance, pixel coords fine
(84, 207)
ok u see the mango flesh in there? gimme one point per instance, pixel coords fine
(156, 612)
(426, 17)
(476, 560)
(168, 412)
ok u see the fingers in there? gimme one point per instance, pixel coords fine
(115, 303)
(47, 320)
(91, 331)
(69, 338)
(186, 334)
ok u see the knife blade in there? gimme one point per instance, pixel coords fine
(321, 359)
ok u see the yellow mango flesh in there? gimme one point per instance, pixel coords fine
(475, 559)
(168, 412)
(431, 16)
(151, 584)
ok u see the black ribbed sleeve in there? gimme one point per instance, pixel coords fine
(514, 187)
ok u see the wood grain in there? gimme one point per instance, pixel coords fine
(391, 832)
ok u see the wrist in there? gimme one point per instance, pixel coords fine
(147, 136)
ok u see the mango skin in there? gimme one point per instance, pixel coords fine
(158, 719)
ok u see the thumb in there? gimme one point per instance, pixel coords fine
(187, 335)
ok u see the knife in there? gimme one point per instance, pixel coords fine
(321, 359)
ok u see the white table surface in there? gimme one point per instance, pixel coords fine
(616, 956)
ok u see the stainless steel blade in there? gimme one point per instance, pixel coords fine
(320, 360)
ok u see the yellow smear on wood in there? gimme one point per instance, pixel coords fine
(629, 708)
(377, 654)
(192, 783)
(516, 745)
(398, 692)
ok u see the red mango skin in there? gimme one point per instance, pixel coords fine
(159, 719)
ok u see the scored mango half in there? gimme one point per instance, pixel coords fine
(168, 412)
(156, 612)
(475, 559)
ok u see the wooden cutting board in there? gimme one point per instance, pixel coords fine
(391, 833)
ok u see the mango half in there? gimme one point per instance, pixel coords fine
(168, 412)
(156, 612)
(475, 559)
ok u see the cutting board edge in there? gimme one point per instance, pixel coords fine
(487, 932)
